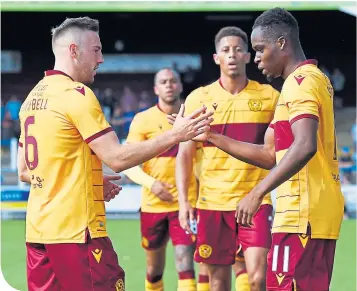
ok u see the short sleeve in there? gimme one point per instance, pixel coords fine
(86, 114)
(301, 97)
(192, 101)
(137, 130)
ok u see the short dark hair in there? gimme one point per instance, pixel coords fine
(230, 31)
(83, 23)
(278, 22)
(177, 75)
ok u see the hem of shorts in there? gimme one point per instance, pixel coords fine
(278, 289)
(214, 263)
(154, 249)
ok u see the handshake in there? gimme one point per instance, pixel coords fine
(195, 126)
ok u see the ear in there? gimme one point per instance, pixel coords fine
(73, 50)
(281, 42)
(216, 59)
(247, 58)
(156, 90)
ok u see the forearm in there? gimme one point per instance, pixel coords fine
(133, 154)
(24, 176)
(247, 152)
(294, 160)
(138, 176)
(184, 172)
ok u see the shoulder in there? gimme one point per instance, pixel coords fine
(146, 115)
(201, 93)
(306, 78)
(265, 89)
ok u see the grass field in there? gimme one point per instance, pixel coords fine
(125, 235)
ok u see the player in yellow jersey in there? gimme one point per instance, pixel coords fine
(300, 148)
(243, 111)
(64, 139)
(159, 207)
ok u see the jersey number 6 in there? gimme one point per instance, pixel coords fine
(30, 140)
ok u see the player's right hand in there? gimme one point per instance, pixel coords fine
(192, 125)
(186, 214)
(160, 189)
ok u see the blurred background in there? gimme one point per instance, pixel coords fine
(139, 39)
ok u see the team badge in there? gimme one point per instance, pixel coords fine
(205, 251)
(97, 255)
(299, 78)
(215, 105)
(119, 285)
(255, 105)
(145, 242)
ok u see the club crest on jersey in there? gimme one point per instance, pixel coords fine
(255, 105)
(119, 285)
(215, 105)
(299, 78)
(205, 251)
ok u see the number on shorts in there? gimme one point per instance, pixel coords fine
(30, 140)
(274, 266)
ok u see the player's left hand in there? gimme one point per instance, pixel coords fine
(247, 208)
(110, 190)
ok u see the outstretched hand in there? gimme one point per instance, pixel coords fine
(192, 125)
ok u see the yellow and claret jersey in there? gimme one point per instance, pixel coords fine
(58, 118)
(147, 125)
(314, 194)
(224, 180)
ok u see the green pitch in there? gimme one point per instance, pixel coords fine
(125, 235)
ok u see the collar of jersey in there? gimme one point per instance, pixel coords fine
(308, 62)
(56, 72)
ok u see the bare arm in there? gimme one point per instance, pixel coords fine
(262, 156)
(22, 170)
(300, 152)
(184, 169)
(121, 157)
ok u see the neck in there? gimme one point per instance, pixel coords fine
(293, 62)
(234, 85)
(169, 108)
(66, 69)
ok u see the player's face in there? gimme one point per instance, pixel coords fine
(232, 56)
(90, 57)
(268, 54)
(168, 86)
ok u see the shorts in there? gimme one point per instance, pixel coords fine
(297, 262)
(74, 266)
(157, 228)
(258, 235)
(220, 240)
